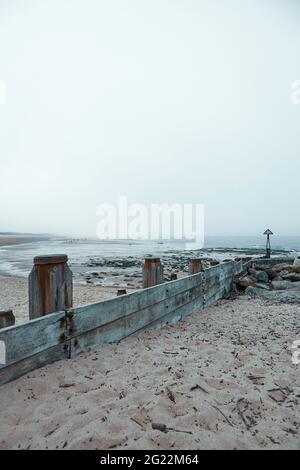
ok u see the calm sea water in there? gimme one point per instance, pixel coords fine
(17, 259)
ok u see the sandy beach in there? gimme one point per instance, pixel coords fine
(221, 379)
(14, 295)
(149, 237)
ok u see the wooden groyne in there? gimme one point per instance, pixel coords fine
(65, 333)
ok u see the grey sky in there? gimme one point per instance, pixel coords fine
(161, 100)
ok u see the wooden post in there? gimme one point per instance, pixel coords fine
(153, 273)
(121, 292)
(195, 266)
(50, 286)
(7, 318)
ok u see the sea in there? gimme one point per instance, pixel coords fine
(17, 259)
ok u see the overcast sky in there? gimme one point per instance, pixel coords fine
(162, 101)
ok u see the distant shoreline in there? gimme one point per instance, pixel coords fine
(18, 239)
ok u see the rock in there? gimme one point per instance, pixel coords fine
(284, 267)
(293, 277)
(290, 269)
(263, 286)
(272, 274)
(289, 296)
(297, 262)
(244, 282)
(252, 271)
(260, 267)
(284, 285)
(262, 276)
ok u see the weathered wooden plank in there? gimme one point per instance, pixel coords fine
(239, 267)
(119, 329)
(131, 323)
(33, 337)
(216, 282)
(89, 317)
(217, 292)
(47, 356)
(225, 268)
(212, 283)
(54, 337)
(215, 295)
(219, 279)
(170, 318)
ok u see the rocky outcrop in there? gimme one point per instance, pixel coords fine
(278, 283)
(289, 296)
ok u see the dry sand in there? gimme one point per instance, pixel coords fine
(14, 295)
(220, 379)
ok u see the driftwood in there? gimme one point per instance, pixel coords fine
(163, 428)
(241, 414)
(7, 318)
